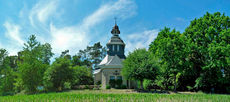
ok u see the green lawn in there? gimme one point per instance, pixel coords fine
(115, 96)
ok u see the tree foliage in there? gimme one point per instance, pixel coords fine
(209, 48)
(33, 62)
(198, 59)
(31, 71)
(3, 55)
(82, 76)
(169, 48)
(91, 56)
(139, 65)
(6, 73)
(57, 74)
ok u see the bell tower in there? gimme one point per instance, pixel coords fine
(116, 46)
(111, 66)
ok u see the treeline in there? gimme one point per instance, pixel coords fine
(31, 71)
(197, 59)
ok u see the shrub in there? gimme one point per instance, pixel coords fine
(112, 83)
(228, 89)
(123, 87)
(119, 82)
(86, 87)
(115, 83)
(98, 83)
(148, 84)
(189, 88)
(67, 85)
(81, 76)
(108, 87)
(6, 93)
(57, 74)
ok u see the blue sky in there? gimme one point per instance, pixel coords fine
(74, 24)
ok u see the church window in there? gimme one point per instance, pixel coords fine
(112, 77)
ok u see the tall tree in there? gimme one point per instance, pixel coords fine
(58, 73)
(6, 73)
(3, 54)
(46, 53)
(92, 55)
(169, 48)
(78, 61)
(32, 65)
(7, 77)
(209, 45)
(139, 65)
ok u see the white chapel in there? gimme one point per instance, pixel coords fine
(110, 67)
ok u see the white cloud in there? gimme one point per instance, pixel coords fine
(140, 40)
(68, 38)
(78, 37)
(13, 50)
(13, 32)
(122, 8)
(71, 37)
(42, 11)
(15, 42)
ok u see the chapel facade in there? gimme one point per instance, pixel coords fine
(110, 67)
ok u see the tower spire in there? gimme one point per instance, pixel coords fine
(115, 31)
(115, 19)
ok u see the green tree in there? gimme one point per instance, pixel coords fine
(169, 48)
(58, 73)
(7, 76)
(32, 65)
(91, 56)
(46, 53)
(140, 65)
(3, 54)
(78, 60)
(82, 76)
(209, 47)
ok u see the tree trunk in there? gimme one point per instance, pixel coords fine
(175, 83)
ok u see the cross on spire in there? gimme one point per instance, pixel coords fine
(115, 19)
(115, 31)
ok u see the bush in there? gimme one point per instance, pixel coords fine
(228, 89)
(115, 83)
(67, 85)
(148, 84)
(119, 82)
(98, 83)
(82, 76)
(108, 87)
(123, 87)
(112, 83)
(189, 88)
(57, 74)
(7, 93)
(86, 87)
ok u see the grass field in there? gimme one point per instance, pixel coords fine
(115, 96)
